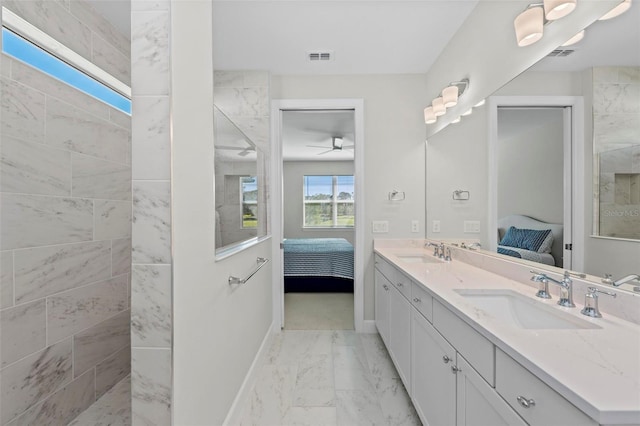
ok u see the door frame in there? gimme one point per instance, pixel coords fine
(277, 199)
(574, 173)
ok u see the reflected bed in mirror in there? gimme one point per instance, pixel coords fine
(239, 198)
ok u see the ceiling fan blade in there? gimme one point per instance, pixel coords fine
(316, 146)
(325, 152)
(347, 146)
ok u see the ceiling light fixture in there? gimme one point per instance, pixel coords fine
(556, 9)
(438, 106)
(337, 143)
(529, 25)
(618, 10)
(429, 116)
(573, 40)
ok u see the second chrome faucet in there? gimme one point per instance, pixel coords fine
(566, 284)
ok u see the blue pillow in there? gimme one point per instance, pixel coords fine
(528, 239)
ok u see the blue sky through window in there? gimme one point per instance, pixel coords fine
(25, 51)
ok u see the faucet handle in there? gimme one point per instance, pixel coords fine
(607, 279)
(591, 302)
(568, 274)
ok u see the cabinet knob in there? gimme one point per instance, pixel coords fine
(525, 403)
(415, 299)
(446, 359)
(386, 287)
(400, 284)
(455, 369)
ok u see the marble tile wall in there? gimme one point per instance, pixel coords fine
(65, 227)
(616, 125)
(151, 281)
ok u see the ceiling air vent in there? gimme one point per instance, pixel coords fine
(320, 56)
(560, 53)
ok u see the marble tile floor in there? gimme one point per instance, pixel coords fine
(338, 377)
(112, 409)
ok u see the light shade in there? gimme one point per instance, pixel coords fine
(456, 120)
(479, 104)
(618, 10)
(556, 9)
(337, 143)
(438, 107)
(528, 26)
(573, 40)
(429, 116)
(467, 112)
(450, 96)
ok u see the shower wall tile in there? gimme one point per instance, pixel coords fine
(112, 219)
(150, 53)
(151, 306)
(246, 101)
(74, 130)
(22, 331)
(53, 19)
(120, 118)
(95, 178)
(56, 89)
(77, 309)
(31, 379)
(5, 66)
(6, 279)
(151, 386)
(151, 233)
(100, 26)
(120, 256)
(34, 168)
(149, 5)
(63, 406)
(99, 342)
(22, 111)
(152, 150)
(44, 271)
(29, 221)
(112, 370)
(110, 59)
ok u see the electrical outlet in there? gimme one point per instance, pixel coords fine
(379, 226)
(415, 226)
(435, 227)
(471, 226)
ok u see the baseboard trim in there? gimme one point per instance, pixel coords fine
(233, 416)
(369, 326)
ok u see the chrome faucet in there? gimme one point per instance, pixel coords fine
(441, 256)
(591, 302)
(435, 246)
(566, 284)
(617, 283)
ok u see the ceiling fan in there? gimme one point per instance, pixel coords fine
(243, 151)
(336, 145)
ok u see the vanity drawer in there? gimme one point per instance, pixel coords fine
(403, 284)
(472, 345)
(388, 270)
(515, 383)
(422, 301)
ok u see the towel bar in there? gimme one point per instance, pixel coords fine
(260, 262)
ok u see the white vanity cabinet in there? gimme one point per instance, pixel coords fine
(400, 334)
(382, 292)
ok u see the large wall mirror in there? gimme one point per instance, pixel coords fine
(240, 207)
(525, 173)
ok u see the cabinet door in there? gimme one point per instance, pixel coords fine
(383, 286)
(433, 382)
(400, 334)
(477, 403)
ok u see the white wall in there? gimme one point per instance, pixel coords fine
(293, 172)
(530, 163)
(217, 328)
(394, 147)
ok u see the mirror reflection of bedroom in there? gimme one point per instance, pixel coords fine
(318, 219)
(531, 173)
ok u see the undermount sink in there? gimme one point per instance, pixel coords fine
(418, 258)
(517, 310)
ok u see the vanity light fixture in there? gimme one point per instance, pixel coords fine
(438, 106)
(529, 25)
(573, 40)
(450, 96)
(429, 116)
(467, 112)
(556, 9)
(457, 120)
(479, 104)
(618, 10)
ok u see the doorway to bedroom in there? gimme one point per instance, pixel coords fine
(319, 203)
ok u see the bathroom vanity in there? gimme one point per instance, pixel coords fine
(473, 347)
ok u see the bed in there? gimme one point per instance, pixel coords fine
(527, 238)
(318, 265)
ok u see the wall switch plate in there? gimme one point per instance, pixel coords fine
(471, 226)
(435, 226)
(415, 226)
(379, 226)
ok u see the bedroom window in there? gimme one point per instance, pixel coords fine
(249, 202)
(328, 202)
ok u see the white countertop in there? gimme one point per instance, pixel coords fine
(598, 370)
